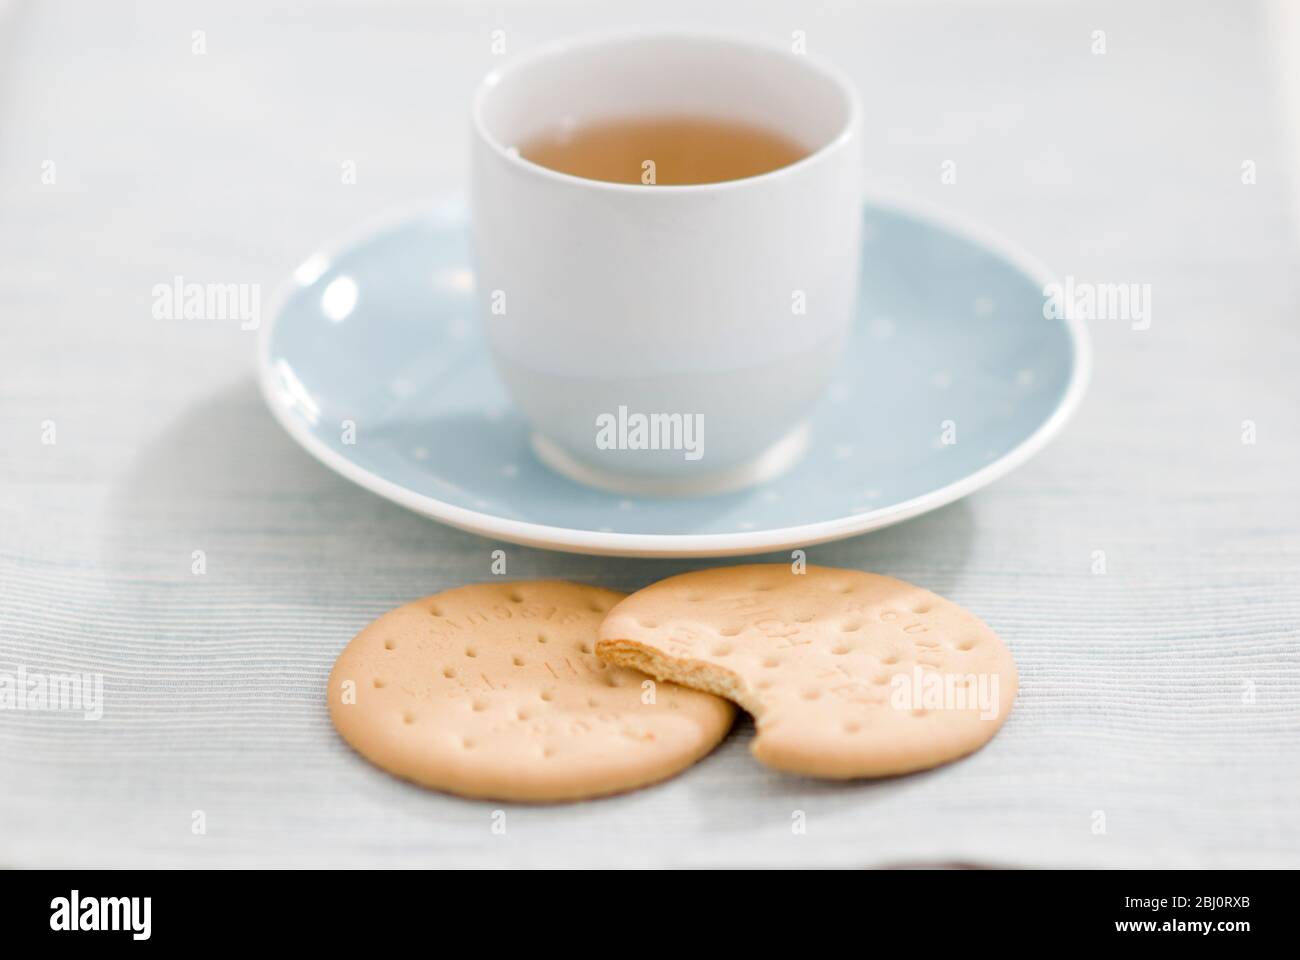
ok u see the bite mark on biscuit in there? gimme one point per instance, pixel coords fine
(819, 660)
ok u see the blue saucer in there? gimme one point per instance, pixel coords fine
(373, 360)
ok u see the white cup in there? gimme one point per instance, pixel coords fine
(704, 320)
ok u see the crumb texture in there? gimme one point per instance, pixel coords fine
(847, 674)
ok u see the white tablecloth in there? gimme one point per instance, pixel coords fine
(1159, 714)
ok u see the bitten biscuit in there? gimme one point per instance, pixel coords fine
(495, 691)
(847, 674)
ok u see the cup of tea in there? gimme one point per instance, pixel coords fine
(666, 230)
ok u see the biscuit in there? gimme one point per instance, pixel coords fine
(847, 674)
(495, 691)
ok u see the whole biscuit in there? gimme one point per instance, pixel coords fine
(847, 674)
(494, 691)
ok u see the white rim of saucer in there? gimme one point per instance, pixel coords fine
(741, 543)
